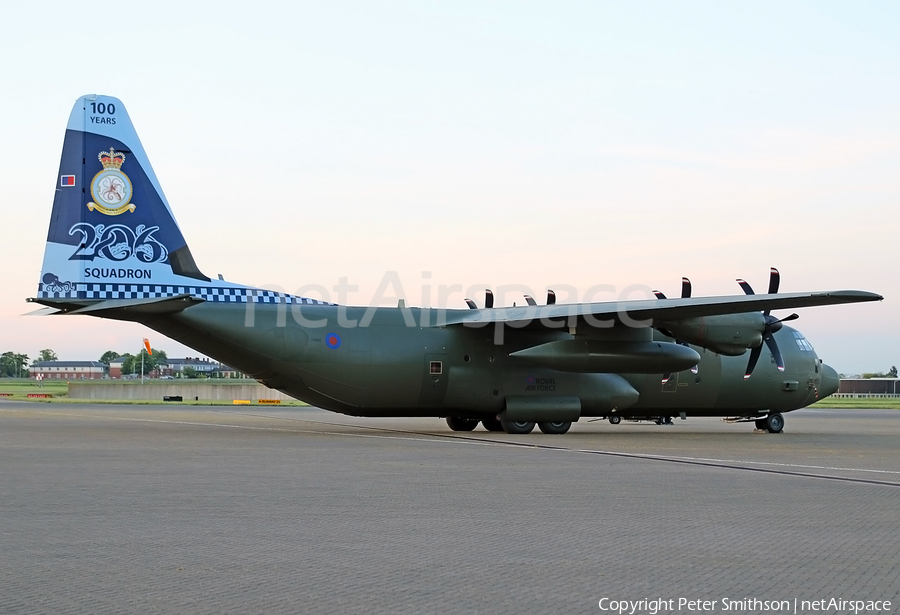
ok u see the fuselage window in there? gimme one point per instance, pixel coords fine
(436, 368)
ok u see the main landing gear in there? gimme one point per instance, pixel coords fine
(492, 424)
(554, 428)
(773, 423)
(517, 427)
(457, 423)
(523, 427)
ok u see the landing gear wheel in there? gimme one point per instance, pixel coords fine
(492, 424)
(517, 427)
(614, 420)
(457, 423)
(775, 423)
(557, 428)
(760, 423)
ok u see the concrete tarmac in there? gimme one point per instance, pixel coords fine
(178, 509)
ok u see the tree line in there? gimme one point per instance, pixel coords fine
(891, 373)
(15, 365)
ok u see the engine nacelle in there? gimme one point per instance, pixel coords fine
(728, 334)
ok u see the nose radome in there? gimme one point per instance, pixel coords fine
(831, 382)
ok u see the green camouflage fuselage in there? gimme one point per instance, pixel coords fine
(385, 368)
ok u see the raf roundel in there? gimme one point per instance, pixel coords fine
(333, 340)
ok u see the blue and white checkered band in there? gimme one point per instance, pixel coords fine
(98, 290)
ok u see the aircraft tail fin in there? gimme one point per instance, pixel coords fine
(111, 225)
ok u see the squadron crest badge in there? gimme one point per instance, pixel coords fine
(111, 188)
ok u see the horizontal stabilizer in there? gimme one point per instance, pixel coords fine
(163, 305)
(46, 311)
(117, 308)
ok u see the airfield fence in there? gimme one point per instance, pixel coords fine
(863, 396)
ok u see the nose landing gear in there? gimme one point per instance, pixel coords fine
(774, 423)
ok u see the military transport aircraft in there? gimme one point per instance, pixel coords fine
(115, 251)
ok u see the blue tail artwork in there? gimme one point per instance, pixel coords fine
(112, 233)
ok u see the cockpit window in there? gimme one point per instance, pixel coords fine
(801, 342)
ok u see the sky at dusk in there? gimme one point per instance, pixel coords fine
(562, 145)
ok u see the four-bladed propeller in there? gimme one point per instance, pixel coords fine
(685, 290)
(773, 325)
(685, 294)
(489, 300)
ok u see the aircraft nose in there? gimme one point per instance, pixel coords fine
(831, 382)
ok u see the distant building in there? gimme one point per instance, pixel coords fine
(175, 367)
(870, 386)
(223, 371)
(68, 370)
(115, 368)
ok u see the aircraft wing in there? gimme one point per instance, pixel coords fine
(653, 309)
